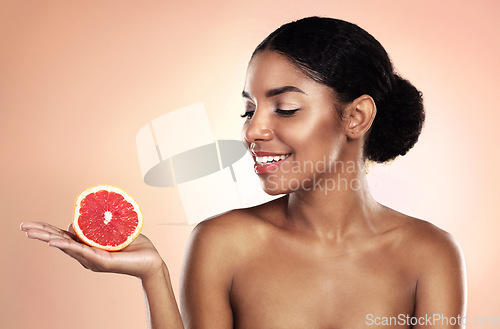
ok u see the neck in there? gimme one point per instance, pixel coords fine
(334, 212)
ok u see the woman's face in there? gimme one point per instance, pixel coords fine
(292, 127)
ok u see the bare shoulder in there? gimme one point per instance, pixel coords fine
(237, 229)
(217, 248)
(435, 263)
(427, 246)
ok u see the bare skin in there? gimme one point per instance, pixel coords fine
(315, 258)
(273, 276)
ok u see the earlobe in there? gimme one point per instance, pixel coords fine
(360, 116)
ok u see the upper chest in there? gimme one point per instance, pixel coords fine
(287, 284)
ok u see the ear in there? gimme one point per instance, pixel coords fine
(359, 116)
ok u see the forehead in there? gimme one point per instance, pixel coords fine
(270, 69)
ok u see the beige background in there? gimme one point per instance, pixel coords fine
(79, 78)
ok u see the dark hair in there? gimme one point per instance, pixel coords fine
(348, 59)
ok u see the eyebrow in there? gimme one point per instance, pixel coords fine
(277, 91)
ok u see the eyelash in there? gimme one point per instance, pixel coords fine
(248, 114)
(285, 113)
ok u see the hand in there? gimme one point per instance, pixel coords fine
(140, 258)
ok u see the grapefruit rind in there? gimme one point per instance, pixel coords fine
(127, 198)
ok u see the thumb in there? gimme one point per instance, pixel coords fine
(71, 231)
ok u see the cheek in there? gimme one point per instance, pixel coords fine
(315, 137)
(243, 135)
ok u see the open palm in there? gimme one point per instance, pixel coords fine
(139, 259)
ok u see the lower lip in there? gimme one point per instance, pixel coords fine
(266, 168)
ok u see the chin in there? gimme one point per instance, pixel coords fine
(272, 187)
(275, 192)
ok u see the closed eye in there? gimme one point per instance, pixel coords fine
(286, 112)
(247, 114)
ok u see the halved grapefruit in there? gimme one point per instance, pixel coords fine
(106, 217)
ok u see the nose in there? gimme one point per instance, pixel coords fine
(258, 128)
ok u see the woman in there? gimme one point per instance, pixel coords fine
(321, 99)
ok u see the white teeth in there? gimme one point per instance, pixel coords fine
(270, 159)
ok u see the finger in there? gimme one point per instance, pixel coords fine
(30, 225)
(87, 265)
(63, 240)
(27, 225)
(42, 226)
(91, 258)
(45, 236)
(72, 249)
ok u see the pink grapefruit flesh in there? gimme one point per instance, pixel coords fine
(106, 217)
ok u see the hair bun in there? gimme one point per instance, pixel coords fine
(398, 123)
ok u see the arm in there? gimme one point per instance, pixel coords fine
(441, 286)
(163, 310)
(207, 276)
(139, 259)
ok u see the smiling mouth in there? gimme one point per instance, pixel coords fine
(264, 160)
